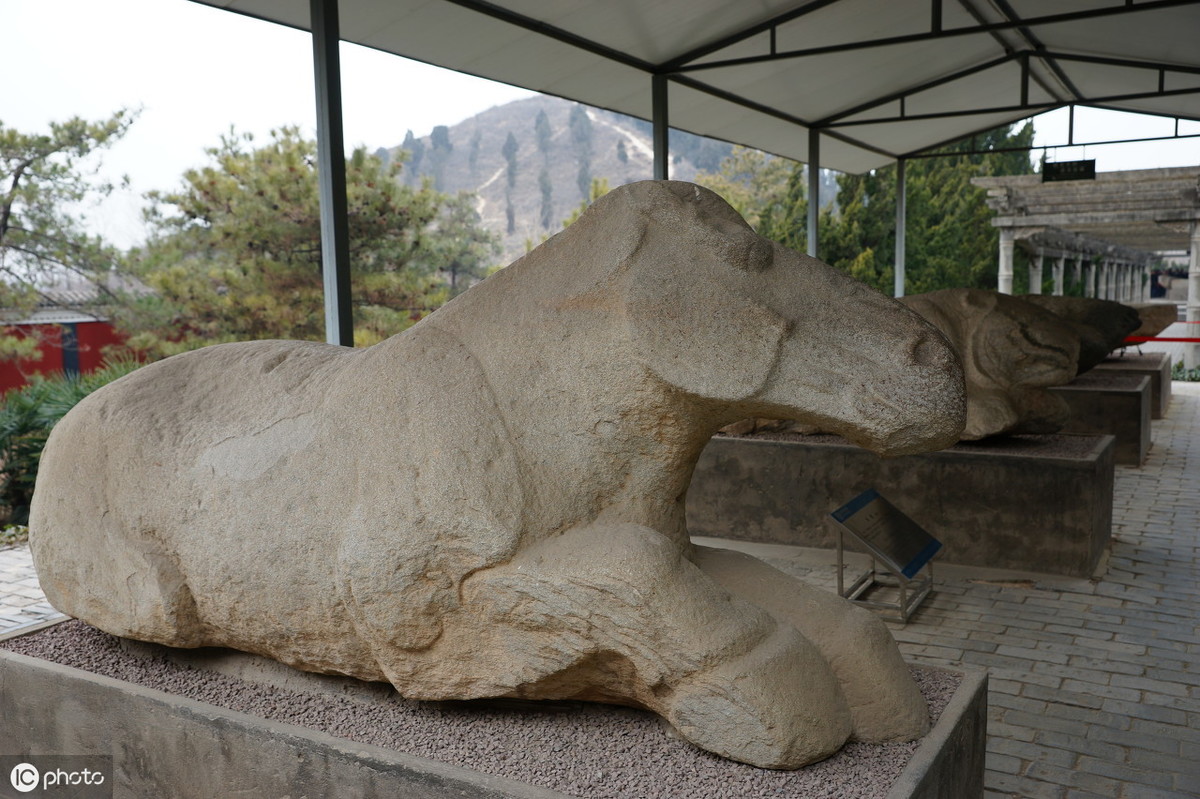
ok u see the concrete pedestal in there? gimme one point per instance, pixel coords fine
(1109, 403)
(1028, 503)
(1154, 365)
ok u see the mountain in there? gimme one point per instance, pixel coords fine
(531, 162)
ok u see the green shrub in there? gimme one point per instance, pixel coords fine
(13, 535)
(26, 418)
(1186, 375)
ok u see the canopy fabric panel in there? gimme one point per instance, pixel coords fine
(881, 79)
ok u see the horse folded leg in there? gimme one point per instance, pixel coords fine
(616, 613)
(776, 706)
(885, 703)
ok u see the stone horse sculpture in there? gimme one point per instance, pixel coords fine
(1101, 325)
(1011, 351)
(491, 504)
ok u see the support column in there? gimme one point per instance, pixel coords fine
(331, 174)
(901, 227)
(1089, 279)
(1104, 289)
(660, 136)
(1077, 270)
(1004, 276)
(1035, 272)
(1057, 271)
(1191, 352)
(814, 188)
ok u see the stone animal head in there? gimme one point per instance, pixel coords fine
(1011, 352)
(1101, 325)
(723, 314)
(1155, 317)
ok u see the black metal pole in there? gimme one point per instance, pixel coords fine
(814, 188)
(660, 135)
(331, 174)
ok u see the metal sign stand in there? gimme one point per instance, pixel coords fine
(904, 548)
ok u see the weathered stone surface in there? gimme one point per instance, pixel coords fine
(1155, 317)
(1011, 351)
(492, 503)
(1101, 325)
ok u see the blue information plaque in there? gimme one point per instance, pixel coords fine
(903, 545)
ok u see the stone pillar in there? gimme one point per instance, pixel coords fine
(1147, 278)
(1106, 280)
(1089, 279)
(1035, 272)
(1191, 352)
(1004, 276)
(1057, 272)
(1077, 270)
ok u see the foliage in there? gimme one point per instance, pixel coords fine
(580, 125)
(547, 188)
(1178, 372)
(462, 249)
(13, 535)
(414, 147)
(949, 243)
(509, 151)
(42, 177)
(541, 127)
(767, 191)
(440, 138)
(473, 158)
(581, 133)
(26, 418)
(236, 250)
(598, 188)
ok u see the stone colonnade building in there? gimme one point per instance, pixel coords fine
(1108, 231)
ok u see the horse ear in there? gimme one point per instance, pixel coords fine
(690, 331)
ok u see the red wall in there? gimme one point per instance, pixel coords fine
(86, 356)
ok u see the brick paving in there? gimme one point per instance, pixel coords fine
(21, 600)
(1095, 684)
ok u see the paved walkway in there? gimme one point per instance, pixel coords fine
(21, 600)
(1095, 684)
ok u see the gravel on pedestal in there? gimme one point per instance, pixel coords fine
(581, 749)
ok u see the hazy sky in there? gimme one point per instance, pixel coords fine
(196, 70)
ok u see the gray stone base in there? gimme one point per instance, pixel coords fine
(1154, 365)
(169, 746)
(1027, 503)
(1110, 403)
(164, 745)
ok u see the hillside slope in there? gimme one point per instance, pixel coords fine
(558, 147)
(552, 164)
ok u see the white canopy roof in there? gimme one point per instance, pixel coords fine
(881, 79)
